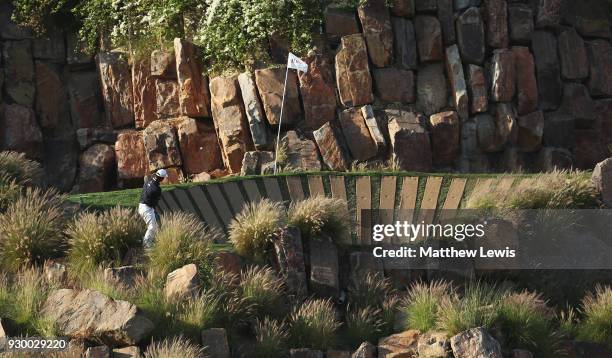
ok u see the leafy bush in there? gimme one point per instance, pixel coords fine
(263, 289)
(422, 304)
(369, 290)
(314, 325)
(22, 170)
(363, 324)
(596, 326)
(320, 215)
(103, 238)
(182, 239)
(253, 229)
(31, 229)
(271, 339)
(177, 347)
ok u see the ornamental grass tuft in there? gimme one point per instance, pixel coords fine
(314, 324)
(320, 215)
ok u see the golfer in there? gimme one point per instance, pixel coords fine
(151, 192)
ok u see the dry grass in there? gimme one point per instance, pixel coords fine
(369, 290)
(320, 215)
(596, 307)
(314, 324)
(271, 337)
(9, 191)
(177, 347)
(263, 289)
(16, 166)
(254, 228)
(363, 325)
(422, 304)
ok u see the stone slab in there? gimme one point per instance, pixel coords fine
(363, 195)
(218, 201)
(273, 189)
(204, 206)
(236, 200)
(296, 192)
(315, 185)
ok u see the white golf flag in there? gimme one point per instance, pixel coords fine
(296, 63)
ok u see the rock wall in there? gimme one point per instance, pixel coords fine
(470, 86)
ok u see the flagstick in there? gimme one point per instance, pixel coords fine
(280, 121)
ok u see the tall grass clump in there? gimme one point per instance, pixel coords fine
(314, 324)
(22, 170)
(177, 347)
(271, 337)
(149, 296)
(369, 290)
(182, 239)
(264, 290)
(199, 313)
(320, 216)
(97, 239)
(9, 191)
(363, 324)
(253, 229)
(95, 280)
(32, 229)
(596, 308)
(422, 304)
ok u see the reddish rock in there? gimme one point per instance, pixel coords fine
(520, 21)
(143, 85)
(429, 38)
(376, 23)
(374, 128)
(88, 136)
(402, 344)
(97, 169)
(353, 72)
(175, 176)
(559, 130)
(85, 100)
(253, 162)
(163, 64)
(574, 62)
(318, 91)
(161, 146)
(302, 153)
(260, 134)
(199, 145)
(270, 83)
(600, 59)
(579, 104)
(470, 36)
(495, 132)
(548, 72)
(166, 99)
(52, 104)
(530, 131)
(132, 163)
(329, 141)
(548, 13)
(340, 22)
(602, 181)
(116, 79)
(410, 143)
(393, 85)
(19, 71)
(230, 121)
(405, 43)
(228, 261)
(526, 84)
(503, 76)
(496, 19)
(588, 151)
(19, 131)
(403, 8)
(193, 86)
(357, 135)
(447, 21)
(445, 135)
(454, 69)
(432, 91)
(478, 89)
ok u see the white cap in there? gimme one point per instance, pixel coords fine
(162, 173)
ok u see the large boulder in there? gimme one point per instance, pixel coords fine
(454, 68)
(230, 121)
(144, 93)
(215, 339)
(394, 85)
(495, 132)
(470, 36)
(503, 76)
(365, 350)
(163, 64)
(329, 141)
(357, 135)
(116, 81)
(353, 72)
(271, 82)
(97, 169)
(600, 55)
(429, 38)
(520, 21)
(19, 71)
(434, 345)
(548, 71)
(550, 159)
(405, 43)
(475, 343)
(403, 8)
(526, 83)
(132, 163)
(375, 128)
(445, 136)
(401, 343)
(410, 143)
(446, 15)
(123, 275)
(578, 103)
(19, 131)
(127, 352)
(91, 315)
(340, 22)
(254, 111)
(302, 153)
(559, 129)
(193, 86)
(530, 131)
(199, 145)
(161, 146)
(182, 283)
(478, 89)
(86, 108)
(573, 55)
(254, 162)
(318, 90)
(588, 150)
(324, 268)
(60, 161)
(52, 105)
(432, 89)
(426, 5)
(290, 258)
(496, 18)
(376, 23)
(166, 98)
(548, 13)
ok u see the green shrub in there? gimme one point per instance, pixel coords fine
(22, 170)
(389, 311)
(363, 324)
(264, 290)
(253, 229)
(177, 347)
(568, 323)
(199, 313)
(320, 216)
(149, 296)
(369, 290)
(271, 339)
(596, 326)
(31, 229)
(103, 238)
(422, 304)
(9, 191)
(182, 239)
(95, 280)
(314, 324)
